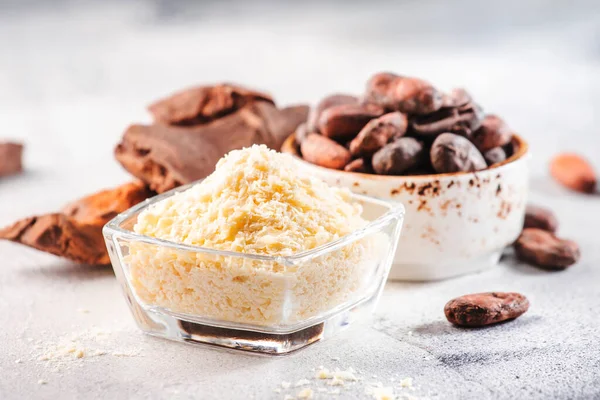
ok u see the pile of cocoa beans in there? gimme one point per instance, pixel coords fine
(403, 126)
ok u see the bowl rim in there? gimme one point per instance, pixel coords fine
(289, 146)
(395, 211)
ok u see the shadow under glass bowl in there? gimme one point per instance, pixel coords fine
(265, 304)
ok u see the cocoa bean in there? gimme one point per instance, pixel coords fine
(456, 98)
(343, 122)
(481, 309)
(398, 156)
(463, 120)
(301, 133)
(358, 165)
(327, 102)
(544, 249)
(453, 153)
(11, 155)
(540, 218)
(377, 133)
(574, 172)
(493, 133)
(404, 94)
(323, 151)
(494, 156)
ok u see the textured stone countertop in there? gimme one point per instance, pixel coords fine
(73, 76)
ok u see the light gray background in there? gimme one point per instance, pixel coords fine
(73, 75)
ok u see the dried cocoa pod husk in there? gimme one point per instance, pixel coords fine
(76, 232)
(202, 104)
(169, 156)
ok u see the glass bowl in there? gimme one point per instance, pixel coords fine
(266, 304)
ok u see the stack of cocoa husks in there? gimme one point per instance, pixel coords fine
(192, 130)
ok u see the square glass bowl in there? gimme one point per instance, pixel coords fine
(265, 304)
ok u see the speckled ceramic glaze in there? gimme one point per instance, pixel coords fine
(455, 223)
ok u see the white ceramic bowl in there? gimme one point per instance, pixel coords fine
(455, 223)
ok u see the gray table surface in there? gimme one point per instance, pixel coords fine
(75, 74)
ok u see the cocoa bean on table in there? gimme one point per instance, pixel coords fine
(480, 309)
(540, 218)
(574, 172)
(11, 158)
(543, 249)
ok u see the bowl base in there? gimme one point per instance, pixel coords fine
(439, 271)
(166, 325)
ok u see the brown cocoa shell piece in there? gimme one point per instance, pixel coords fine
(453, 153)
(76, 233)
(399, 156)
(543, 249)
(325, 152)
(327, 102)
(377, 133)
(405, 94)
(574, 172)
(11, 155)
(202, 104)
(494, 156)
(344, 121)
(168, 156)
(540, 218)
(481, 309)
(494, 132)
